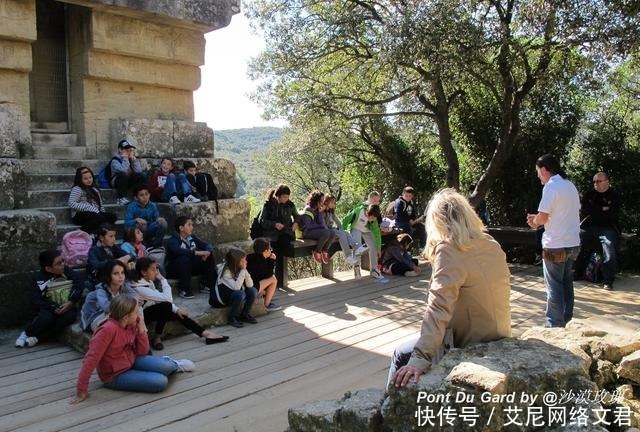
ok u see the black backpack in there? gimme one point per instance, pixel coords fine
(256, 230)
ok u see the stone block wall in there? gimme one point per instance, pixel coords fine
(17, 31)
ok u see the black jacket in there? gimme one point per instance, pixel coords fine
(272, 213)
(38, 298)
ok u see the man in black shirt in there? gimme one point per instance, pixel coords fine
(599, 215)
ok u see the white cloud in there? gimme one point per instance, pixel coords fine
(222, 100)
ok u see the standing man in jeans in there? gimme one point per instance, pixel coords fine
(559, 212)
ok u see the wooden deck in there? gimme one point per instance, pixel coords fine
(330, 337)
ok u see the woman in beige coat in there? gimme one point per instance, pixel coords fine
(469, 291)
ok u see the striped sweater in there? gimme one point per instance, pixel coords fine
(80, 201)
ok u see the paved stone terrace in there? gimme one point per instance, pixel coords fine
(332, 336)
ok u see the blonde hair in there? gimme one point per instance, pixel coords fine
(121, 306)
(451, 219)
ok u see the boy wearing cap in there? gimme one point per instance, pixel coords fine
(126, 171)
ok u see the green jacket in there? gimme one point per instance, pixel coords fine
(374, 227)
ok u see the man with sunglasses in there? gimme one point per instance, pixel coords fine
(599, 215)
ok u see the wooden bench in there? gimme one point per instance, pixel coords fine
(301, 248)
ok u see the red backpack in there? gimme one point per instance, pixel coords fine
(75, 248)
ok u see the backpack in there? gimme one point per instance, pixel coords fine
(256, 231)
(75, 248)
(592, 272)
(104, 176)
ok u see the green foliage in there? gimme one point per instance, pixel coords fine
(245, 148)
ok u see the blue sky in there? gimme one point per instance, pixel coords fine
(222, 100)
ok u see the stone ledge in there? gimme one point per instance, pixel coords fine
(198, 308)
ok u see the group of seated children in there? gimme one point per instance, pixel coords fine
(359, 231)
(125, 174)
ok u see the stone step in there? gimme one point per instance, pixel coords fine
(66, 153)
(62, 229)
(199, 310)
(38, 199)
(60, 166)
(50, 126)
(54, 139)
(63, 214)
(50, 181)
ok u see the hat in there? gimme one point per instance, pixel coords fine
(124, 145)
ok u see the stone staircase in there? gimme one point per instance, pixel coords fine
(53, 141)
(48, 183)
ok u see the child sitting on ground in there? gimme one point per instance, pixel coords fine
(313, 227)
(260, 265)
(158, 305)
(347, 244)
(187, 255)
(49, 317)
(235, 286)
(85, 202)
(95, 309)
(103, 251)
(201, 183)
(119, 348)
(144, 214)
(165, 186)
(362, 222)
(396, 259)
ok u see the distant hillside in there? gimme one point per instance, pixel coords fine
(244, 147)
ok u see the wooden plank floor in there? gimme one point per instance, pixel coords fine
(332, 336)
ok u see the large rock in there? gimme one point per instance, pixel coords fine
(153, 138)
(223, 172)
(13, 187)
(15, 137)
(209, 14)
(606, 337)
(23, 235)
(231, 224)
(488, 378)
(192, 139)
(630, 367)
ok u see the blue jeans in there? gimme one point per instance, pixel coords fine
(248, 295)
(148, 374)
(558, 279)
(608, 238)
(171, 186)
(154, 234)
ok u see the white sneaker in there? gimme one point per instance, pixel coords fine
(362, 249)
(174, 200)
(122, 201)
(22, 340)
(410, 273)
(351, 260)
(31, 341)
(376, 274)
(184, 365)
(191, 199)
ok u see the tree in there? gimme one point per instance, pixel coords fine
(399, 59)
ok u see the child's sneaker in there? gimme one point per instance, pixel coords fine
(186, 295)
(233, 322)
(317, 256)
(22, 340)
(273, 307)
(410, 273)
(122, 201)
(325, 257)
(31, 341)
(376, 274)
(362, 249)
(174, 200)
(191, 199)
(184, 365)
(205, 289)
